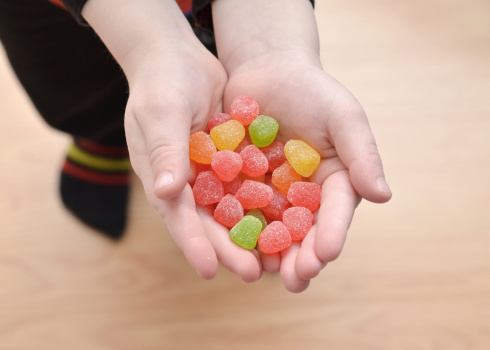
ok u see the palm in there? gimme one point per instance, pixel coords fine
(308, 105)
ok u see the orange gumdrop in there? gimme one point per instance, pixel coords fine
(284, 176)
(201, 147)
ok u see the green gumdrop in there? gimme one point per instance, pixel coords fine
(246, 232)
(263, 130)
(258, 214)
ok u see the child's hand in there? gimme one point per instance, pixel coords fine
(271, 53)
(176, 85)
(311, 106)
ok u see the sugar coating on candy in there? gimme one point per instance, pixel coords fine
(226, 164)
(207, 188)
(274, 238)
(254, 161)
(232, 187)
(244, 109)
(228, 135)
(263, 130)
(201, 147)
(242, 145)
(254, 194)
(278, 205)
(298, 221)
(258, 214)
(229, 211)
(246, 232)
(305, 194)
(274, 154)
(284, 176)
(218, 119)
(302, 157)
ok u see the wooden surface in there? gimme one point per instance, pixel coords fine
(414, 273)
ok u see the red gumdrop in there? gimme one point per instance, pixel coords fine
(244, 143)
(274, 238)
(274, 154)
(229, 211)
(244, 109)
(232, 187)
(218, 119)
(277, 207)
(254, 161)
(305, 194)
(226, 164)
(207, 188)
(298, 221)
(253, 194)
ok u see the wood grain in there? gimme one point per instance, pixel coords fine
(414, 273)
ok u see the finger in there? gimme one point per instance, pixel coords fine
(289, 277)
(271, 263)
(186, 228)
(339, 200)
(165, 130)
(308, 265)
(356, 147)
(242, 262)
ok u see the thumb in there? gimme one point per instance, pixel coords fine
(356, 147)
(166, 135)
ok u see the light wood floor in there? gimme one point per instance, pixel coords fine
(414, 273)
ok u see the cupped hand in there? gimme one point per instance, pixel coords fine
(172, 94)
(312, 106)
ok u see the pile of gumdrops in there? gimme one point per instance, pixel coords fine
(241, 167)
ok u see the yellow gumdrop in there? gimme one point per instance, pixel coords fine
(228, 135)
(302, 157)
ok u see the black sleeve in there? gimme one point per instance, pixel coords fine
(75, 8)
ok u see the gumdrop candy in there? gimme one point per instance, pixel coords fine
(258, 214)
(228, 135)
(254, 194)
(227, 165)
(302, 157)
(305, 194)
(277, 207)
(298, 221)
(244, 109)
(229, 211)
(254, 161)
(201, 147)
(218, 119)
(242, 176)
(246, 232)
(232, 187)
(263, 130)
(207, 188)
(242, 145)
(274, 238)
(284, 176)
(274, 154)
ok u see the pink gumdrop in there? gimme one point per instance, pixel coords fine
(207, 188)
(298, 221)
(226, 164)
(277, 207)
(305, 194)
(253, 194)
(232, 187)
(218, 119)
(244, 109)
(254, 161)
(229, 211)
(274, 154)
(274, 238)
(244, 143)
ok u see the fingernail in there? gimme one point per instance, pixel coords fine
(164, 179)
(382, 185)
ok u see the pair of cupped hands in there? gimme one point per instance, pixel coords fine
(176, 86)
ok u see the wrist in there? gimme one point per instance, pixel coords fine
(250, 32)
